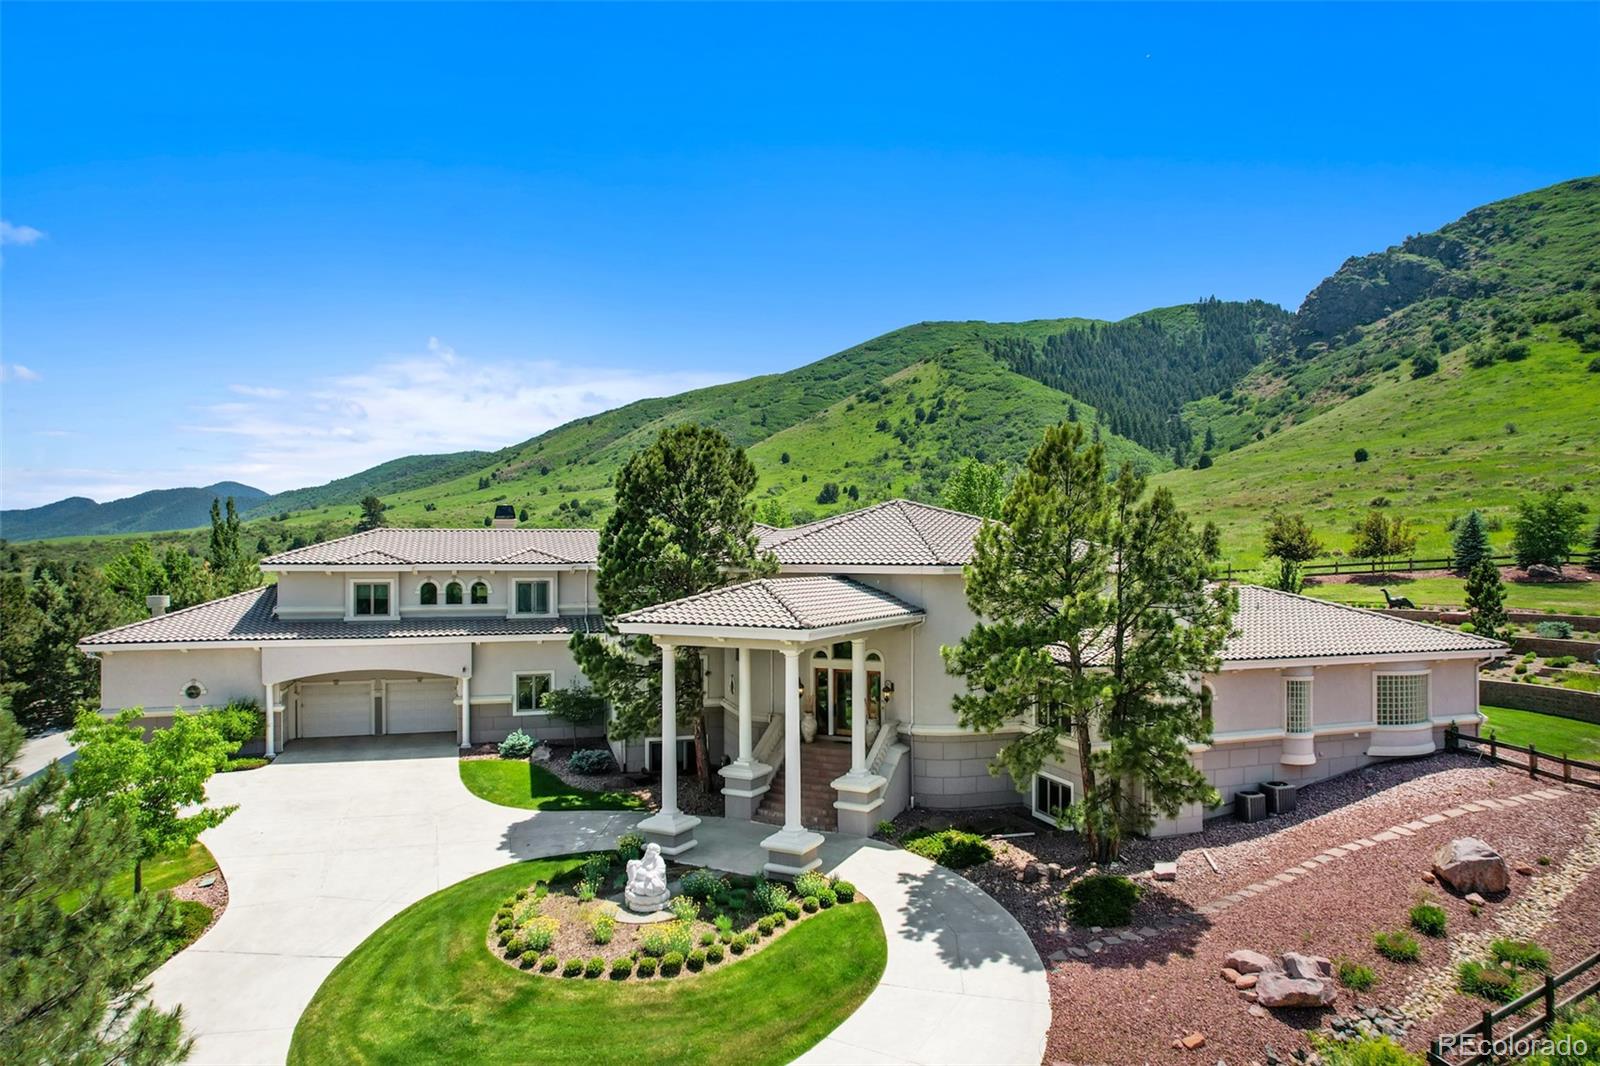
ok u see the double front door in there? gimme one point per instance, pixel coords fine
(835, 694)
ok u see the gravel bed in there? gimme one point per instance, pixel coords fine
(214, 895)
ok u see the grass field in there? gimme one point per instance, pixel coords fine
(1575, 598)
(424, 988)
(520, 783)
(1557, 736)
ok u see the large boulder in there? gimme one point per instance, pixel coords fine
(1306, 967)
(1276, 989)
(1243, 961)
(1467, 864)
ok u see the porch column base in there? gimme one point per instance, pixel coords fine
(745, 784)
(674, 832)
(791, 852)
(860, 796)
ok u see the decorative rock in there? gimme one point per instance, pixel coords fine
(1258, 1011)
(1428, 878)
(1525, 870)
(1166, 871)
(1304, 967)
(1249, 995)
(1096, 946)
(1467, 864)
(1473, 897)
(1246, 980)
(1039, 871)
(1078, 953)
(1058, 956)
(1026, 874)
(208, 880)
(1244, 960)
(1542, 572)
(1194, 1040)
(1055, 871)
(1230, 975)
(1281, 990)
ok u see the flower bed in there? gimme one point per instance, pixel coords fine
(570, 928)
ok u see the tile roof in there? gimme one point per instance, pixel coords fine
(448, 547)
(896, 533)
(800, 602)
(1280, 625)
(248, 618)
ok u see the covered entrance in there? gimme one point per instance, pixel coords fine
(833, 682)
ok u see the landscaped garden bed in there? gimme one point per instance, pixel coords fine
(571, 927)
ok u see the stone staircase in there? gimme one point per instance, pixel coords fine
(820, 763)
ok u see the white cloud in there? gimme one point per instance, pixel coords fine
(17, 372)
(261, 392)
(14, 234)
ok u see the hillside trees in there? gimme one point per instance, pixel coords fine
(975, 488)
(683, 524)
(42, 618)
(73, 975)
(1290, 541)
(1380, 537)
(1545, 527)
(1471, 542)
(1094, 612)
(372, 516)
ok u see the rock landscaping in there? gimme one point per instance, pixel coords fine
(575, 927)
(1469, 865)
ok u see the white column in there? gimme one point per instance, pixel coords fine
(745, 755)
(669, 730)
(791, 742)
(272, 732)
(858, 706)
(466, 710)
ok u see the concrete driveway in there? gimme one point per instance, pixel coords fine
(337, 836)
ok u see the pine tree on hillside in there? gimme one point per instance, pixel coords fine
(1486, 601)
(73, 977)
(1594, 548)
(1471, 542)
(372, 516)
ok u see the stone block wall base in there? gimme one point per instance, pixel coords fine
(790, 854)
(674, 833)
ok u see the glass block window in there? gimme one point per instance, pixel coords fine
(1297, 705)
(1050, 798)
(1402, 699)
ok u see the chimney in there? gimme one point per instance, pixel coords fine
(505, 517)
(158, 605)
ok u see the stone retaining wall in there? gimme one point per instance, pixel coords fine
(952, 772)
(1587, 622)
(1544, 699)
(1549, 647)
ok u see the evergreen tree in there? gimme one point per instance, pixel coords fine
(1486, 600)
(975, 488)
(1471, 542)
(771, 513)
(1289, 540)
(1594, 548)
(1211, 541)
(1545, 527)
(75, 955)
(150, 784)
(1211, 441)
(372, 516)
(225, 554)
(42, 618)
(1094, 614)
(683, 524)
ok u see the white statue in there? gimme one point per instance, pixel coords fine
(647, 882)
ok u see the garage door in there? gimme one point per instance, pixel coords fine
(328, 709)
(421, 706)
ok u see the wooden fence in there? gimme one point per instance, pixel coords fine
(1480, 1040)
(1538, 763)
(1398, 566)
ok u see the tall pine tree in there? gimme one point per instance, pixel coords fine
(1471, 542)
(1486, 600)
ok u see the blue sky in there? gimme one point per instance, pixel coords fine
(282, 243)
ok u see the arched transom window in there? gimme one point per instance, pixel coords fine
(428, 594)
(452, 593)
(480, 592)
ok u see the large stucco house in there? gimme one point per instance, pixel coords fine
(465, 631)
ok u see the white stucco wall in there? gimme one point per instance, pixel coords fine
(923, 690)
(1252, 700)
(326, 595)
(154, 680)
(493, 668)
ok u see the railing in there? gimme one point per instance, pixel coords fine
(1482, 1035)
(768, 749)
(1538, 763)
(1396, 566)
(888, 732)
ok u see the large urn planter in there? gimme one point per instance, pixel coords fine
(808, 727)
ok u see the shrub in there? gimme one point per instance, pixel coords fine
(810, 904)
(647, 967)
(240, 721)
(585, 892)
(1523, 954)
(765, 925)
(517, 745)
(810, 883)
(540, 933)
(1554, 630)
(686, 909)
(1361, 455)
(528, 959)
(887, 830)
(572, 968)
(1397, 947)
(769, 896)
(1102, 899)
(594, 967)
(654, 942)
(591, 761)
(1488, 982)
(1354, 975)
(596, 867)
(671, 963)
(1561, 662)
(714, 953)
(548, 964)
(630, 846)
(680, 937)
(724, 925)
(1429, 919)
(738, 944)
(779, 919)
(602, 927)
(1362, 1051)
(707, 938)
(791, 910)
(826, 898)
(703, 884)
(949, 847)
(247, 763)
(695, 960)
(844, 891)
(621, 967)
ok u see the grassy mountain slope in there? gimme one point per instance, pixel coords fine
(1506, 300)
(154, 510)
(397, 475)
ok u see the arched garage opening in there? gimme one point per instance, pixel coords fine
(369, 703)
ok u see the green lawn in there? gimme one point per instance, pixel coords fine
(1557, 736)
(1575, 598)
(519, 783)
(162, 872)
(424, 988)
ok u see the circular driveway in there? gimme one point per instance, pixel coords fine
(338, 836)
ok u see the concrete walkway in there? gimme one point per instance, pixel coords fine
(336, 837)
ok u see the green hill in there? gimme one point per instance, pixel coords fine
(144, 513)
(1505, 303)
(398, 475)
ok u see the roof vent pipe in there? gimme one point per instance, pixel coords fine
(158, 605)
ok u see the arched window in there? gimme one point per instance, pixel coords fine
(428, 594)
(820, 655)
(480, 592)
(452, 593)
(874, 657)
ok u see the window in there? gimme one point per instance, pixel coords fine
(480, 592)
(1051, 796)
(372, 598)
(1048, 713)
(530, 691)
(452, 594)
(1402, 699)
(1297, 705)
(686, 763)
(428, 594)
(1207, 699)
(533, 597)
